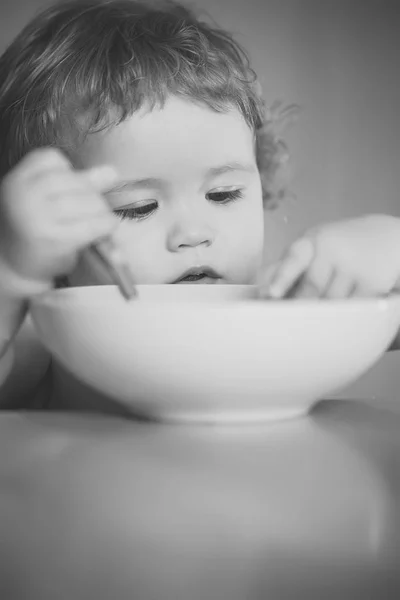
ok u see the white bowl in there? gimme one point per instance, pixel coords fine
(213, 353)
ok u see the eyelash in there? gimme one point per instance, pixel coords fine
(230, 196)
(140, 213)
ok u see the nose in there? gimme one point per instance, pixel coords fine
(189, 232)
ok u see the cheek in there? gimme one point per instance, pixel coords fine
(247, 228)
(144, 246)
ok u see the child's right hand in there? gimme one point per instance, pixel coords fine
(49, 212)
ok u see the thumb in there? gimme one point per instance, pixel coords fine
(101, 178)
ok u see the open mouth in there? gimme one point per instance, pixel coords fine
(199, 275)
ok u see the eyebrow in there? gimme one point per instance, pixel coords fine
(230, 167)
(159, 183)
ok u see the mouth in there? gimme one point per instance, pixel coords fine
(199, 275)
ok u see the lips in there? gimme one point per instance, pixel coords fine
(201, 274)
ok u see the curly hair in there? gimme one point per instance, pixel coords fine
(81, 66)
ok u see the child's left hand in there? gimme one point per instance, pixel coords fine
(357, 257)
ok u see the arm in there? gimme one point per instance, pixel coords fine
(23, 361)
(12, 313)
(49, 212)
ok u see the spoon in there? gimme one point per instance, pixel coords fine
(108, 253)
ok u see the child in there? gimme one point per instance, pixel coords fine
(143, 111)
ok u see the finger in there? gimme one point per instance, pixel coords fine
(80, 206)
(293, 265)
(314, 282)
(55, 177)
(319, 276)
(101, 178)
(85, 233)
(69, 196)
(304, 288)
(265, 276)
(361, 290)
(58, 185)
(341, 286)
(41, 160)
(264, 279)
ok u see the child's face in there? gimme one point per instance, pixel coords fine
(191, 191)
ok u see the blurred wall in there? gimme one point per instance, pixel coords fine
(339, 60)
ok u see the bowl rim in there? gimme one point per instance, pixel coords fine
(86, 296)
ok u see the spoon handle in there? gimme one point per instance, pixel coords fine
(109, 254)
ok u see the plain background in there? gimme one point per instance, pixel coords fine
(339, 60)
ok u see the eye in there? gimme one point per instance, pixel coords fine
(137, 212)
(224, 197)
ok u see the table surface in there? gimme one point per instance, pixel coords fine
(108, 508)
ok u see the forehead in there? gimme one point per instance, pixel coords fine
(182, 133)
